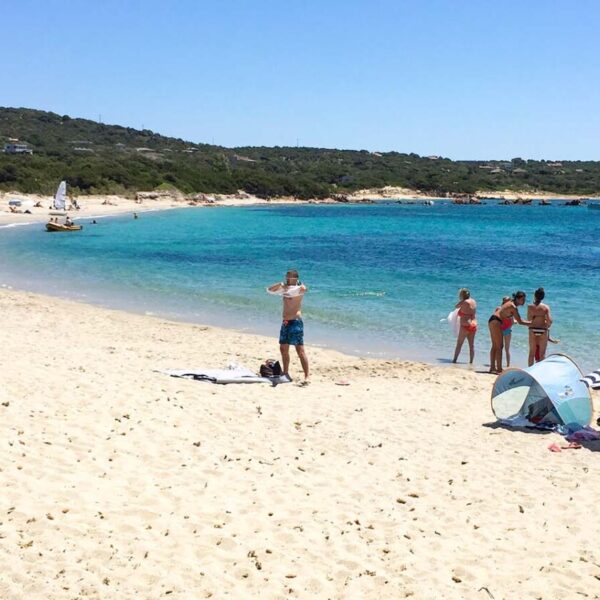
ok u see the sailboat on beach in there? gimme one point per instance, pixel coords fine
(59, 205)
(59, 209)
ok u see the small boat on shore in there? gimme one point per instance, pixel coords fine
(62, 227)
(59, 206)
(59, 209)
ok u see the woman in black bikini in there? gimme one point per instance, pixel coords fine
(508, 310)
(541, 320)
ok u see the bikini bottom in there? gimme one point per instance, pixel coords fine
(538, 331)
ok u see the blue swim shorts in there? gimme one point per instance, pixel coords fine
(292, 332)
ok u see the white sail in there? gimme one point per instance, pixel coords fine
(61, 196)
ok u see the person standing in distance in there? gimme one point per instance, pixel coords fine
(292, 327)
(539, 329)
(467, 307)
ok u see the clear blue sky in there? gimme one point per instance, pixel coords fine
(459, 78)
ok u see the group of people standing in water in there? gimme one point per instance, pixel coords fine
(500, 324)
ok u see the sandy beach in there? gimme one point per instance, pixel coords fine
(110, 205)
(399, 193)
(121, 482)
(91, 207)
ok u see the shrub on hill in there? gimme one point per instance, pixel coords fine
(98, 158)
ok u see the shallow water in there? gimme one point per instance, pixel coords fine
(380, 276)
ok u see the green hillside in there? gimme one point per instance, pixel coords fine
(99, 158)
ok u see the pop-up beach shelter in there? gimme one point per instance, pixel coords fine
(548, 393)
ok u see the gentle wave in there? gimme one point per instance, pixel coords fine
(365, 294)
(11, 225)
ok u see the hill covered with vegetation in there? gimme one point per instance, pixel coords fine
(98, 158)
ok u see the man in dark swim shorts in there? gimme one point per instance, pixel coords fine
(292, 327)
(292, 333)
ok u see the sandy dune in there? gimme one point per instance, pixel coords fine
(120, 482)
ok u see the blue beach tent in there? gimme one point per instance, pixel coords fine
(549, 393)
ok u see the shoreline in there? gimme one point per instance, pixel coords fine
(99, 206)
(341, 344)
(72, 304)
(94, 207)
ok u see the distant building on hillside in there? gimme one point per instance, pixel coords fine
(17, 148)
(244, 158)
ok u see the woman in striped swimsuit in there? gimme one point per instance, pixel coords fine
(541, 320)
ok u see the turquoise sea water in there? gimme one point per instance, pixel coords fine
(380, 276)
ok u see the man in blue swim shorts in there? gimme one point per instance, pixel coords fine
(292, 328)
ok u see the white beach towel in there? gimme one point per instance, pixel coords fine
(234, 373)
(453, 320)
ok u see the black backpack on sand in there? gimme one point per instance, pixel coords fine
(270, 368)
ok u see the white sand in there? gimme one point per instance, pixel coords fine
(120, 482)
(92, 206)
(107, 205)
(102, 206)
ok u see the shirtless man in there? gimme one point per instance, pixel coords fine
(541, 320)
(292, 328)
